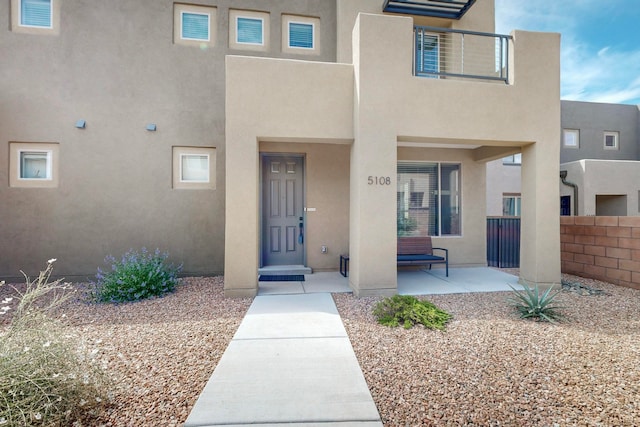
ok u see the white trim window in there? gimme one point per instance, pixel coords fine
(194, 168)
(511, 204)
(250, 30)
(35, 165)
(195, 26)
(571, 138)
(36, 13)
(611, 139)
(301, 35)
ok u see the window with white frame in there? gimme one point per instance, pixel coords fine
(33, 164)
(511, 204)
(570, 138)
(516, 159)
(35, 16)
(194, 167)
(194, 25)
(429, 199)
(611, 140)
(300, 34)
(36, 13)
(248, 30)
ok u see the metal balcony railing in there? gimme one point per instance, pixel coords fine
(447, 53)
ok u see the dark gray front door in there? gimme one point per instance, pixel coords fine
(282, 210)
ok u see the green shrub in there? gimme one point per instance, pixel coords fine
(45, 380)
(136, 276)
(530, 304)
(409, 311)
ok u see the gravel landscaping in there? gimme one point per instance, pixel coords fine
(489, 368)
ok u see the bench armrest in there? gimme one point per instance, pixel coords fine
(446, 252)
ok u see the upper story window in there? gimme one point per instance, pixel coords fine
(427, 54)
(300, 34)
(35, 16)
(248, 30)
(516, 159)
(570, 138)
(194, 25)
(611, 140)
(36, 13)
(33, 164)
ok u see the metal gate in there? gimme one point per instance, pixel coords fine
(503, 242)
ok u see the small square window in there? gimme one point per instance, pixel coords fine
(611, 140)
(300, 34)
(194, 167)
(35, 13)
(33, 164)
(248, 30)
(194, 25)
(571, 138)
(35, 16)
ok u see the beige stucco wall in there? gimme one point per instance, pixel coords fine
(602, 177)
(115, 64)
(303, 102)
(383, 109)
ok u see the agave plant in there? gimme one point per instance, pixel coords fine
(531, 304)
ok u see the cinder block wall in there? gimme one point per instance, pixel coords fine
(602, 247)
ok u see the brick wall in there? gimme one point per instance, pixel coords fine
(602, 247)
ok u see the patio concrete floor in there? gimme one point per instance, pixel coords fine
(410, 282)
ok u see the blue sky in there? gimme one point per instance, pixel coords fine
(600, 48)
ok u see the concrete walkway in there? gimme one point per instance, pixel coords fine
(290, 363)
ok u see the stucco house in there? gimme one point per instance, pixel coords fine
(245, 134)
(599, 164)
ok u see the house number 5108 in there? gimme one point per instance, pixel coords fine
(379, 180)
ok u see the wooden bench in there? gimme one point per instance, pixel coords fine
(419, 251)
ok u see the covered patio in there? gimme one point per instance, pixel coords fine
(410, 282)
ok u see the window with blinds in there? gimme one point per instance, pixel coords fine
(36, 13)
(249, 30)
(195, 26)
(428, 199)
(301, 35)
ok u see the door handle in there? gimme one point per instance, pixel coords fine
(301, 231)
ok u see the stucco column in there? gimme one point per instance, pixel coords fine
(537, 64)
(241, 224)
(372, 227)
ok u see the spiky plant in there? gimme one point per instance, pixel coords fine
(531, 304)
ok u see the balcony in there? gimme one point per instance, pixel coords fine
(447, 53)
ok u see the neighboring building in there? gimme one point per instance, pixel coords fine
(600, 164)
(252, 133)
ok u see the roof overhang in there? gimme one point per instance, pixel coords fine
(451, 9)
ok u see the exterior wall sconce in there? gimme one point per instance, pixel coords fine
(151, 127)
(81, 124)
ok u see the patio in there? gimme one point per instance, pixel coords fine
(410, 282)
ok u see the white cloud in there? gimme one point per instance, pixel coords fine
(589, 73)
